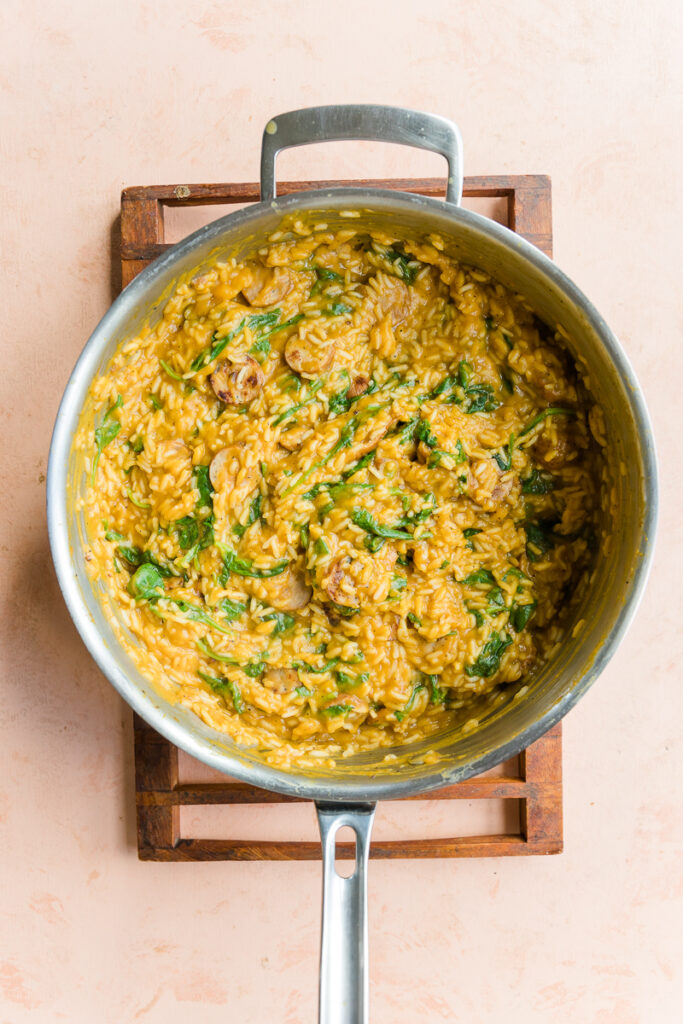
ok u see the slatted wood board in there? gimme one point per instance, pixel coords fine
(160, 794)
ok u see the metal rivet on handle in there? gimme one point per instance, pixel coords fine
(271, 127)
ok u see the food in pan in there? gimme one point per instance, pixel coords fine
(341, 491)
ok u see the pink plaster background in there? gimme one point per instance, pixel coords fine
(98, 96)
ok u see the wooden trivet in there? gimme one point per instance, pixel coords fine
(159, 794)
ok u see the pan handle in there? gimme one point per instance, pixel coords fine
(362, 121)
(344, 944)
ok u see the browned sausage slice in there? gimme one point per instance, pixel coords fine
(237, 383)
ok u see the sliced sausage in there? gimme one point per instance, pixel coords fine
(237, 383)
(294, 438)
(280, 680)
(359, 385)
(289, 591)
(268, 286)
(340, 584)
(308, 356)
(230, 471)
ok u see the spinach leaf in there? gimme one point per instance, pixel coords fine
(479, 576)
(146, 583)
(413, 619)
(244, 567)
(254, 513)
(539, 540)
(361, 517)
(282, 620)
(251, 669)
(361, 464)
(520, 615)
(334, 710)
(406, 268)
(552, 411)
(231, 609)
(204, 486)
(488, 662)
(172, 373)
(400, 715)
(304, 666)
(221, 686)
(342, 609)
(195, 613)
(105, 433)
(187, 531)
(538, 483)
(338, 309)
(437, 694)
(312, 391)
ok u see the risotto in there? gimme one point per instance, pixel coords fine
(341, 491)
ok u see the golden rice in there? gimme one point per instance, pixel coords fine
(340, 491)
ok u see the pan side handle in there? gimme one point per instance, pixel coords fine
(344, 944)
(362, 121)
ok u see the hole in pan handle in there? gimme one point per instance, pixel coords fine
(344, 942)
(362, 121)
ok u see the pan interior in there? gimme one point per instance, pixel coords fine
(517, 716)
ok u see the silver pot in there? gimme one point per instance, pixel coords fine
(347, 795)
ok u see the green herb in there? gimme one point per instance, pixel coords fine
(478, 617)
(338, 309)
(320, 547)
(343, 610)
(349, 681)
(222, 686)
(156, 404)
(304, 534)
(325, 274)
(413, 619)
(472, 397)
(204, 486)
(479, 576)
(504, 457)
(252, 669)
(187, 531)
(137, 445)
(361, 517)
(538, 483)
(488, 662)
(282, 620)
(303, 691)
(437, 694)
(254, 513)
(398, 585)
(520, 615)
(334, 710)
(231, 609)
(496, 602)
(400, 715)
(314, 388)
(303, 666)
(136, 501)
(361, 464)
(438, 454)
(105, 433)
(341, 402)
(553, 411)
(539, 540)
(471, 531)
(244, 567)
(172, 373)
(212, 351)
(405, 268)
(197, 614)
(146, 583)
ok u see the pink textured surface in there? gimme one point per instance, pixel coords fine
(95, 97)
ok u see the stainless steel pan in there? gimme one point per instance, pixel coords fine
(347, 795)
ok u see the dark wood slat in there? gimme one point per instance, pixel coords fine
(465, 846)
(156, 770)
(245, 192)
(206, 793)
